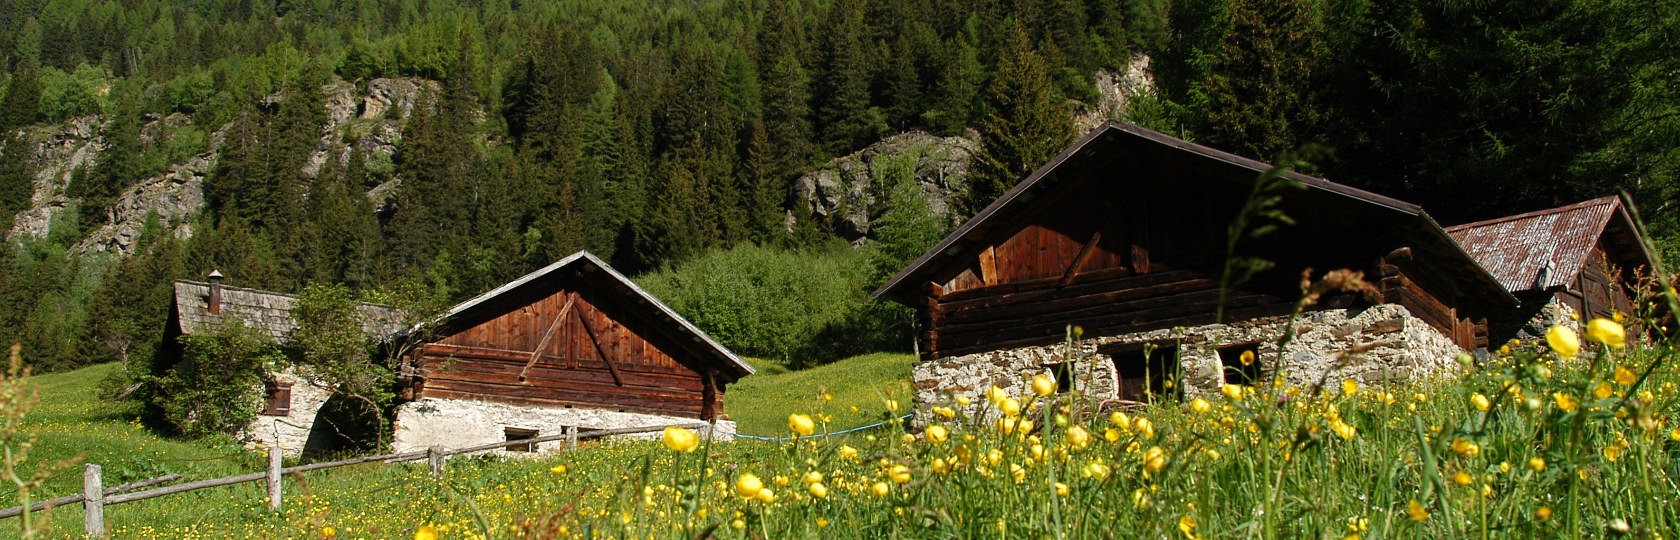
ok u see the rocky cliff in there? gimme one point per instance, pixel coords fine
(370, 120)
(844, 192)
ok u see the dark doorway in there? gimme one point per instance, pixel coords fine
(1146, 371)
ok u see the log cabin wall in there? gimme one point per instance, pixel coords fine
(573, 347)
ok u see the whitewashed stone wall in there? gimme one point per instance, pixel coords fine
(1398, 346)
(291, 430)
(457, 423)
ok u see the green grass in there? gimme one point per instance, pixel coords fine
(760, 403)
(1272, 462)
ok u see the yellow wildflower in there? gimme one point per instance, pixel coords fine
(880, 489)
(1603, 390)
(1543, 513)
(1061, 489)
(1112, 435)
(1343, 429)
(1246, 358)
(1536, 464)
(821, 523)
(1097, 470)
(1613, 452)
(1466, 448)
(1563, 340)
(936, 434)
(1144, 427)
(1187, 525)
(1119, 419)
(765, 496)
(1043, 385)
(1201, 406)
(899, 474)
(1078, 438)
(1480, 402)
(1349, 387)
(557, 469)
(1607, 332)
(680, 439)
(1565, 401)
(426, 532)
(1414, 509)
(1624, 376)
(964, 400)
(328, 532)
(1009, 406)
(748, 486)
(1232, 391)
(801, 425)
(945, 412)
(818, 490)
(1154, 459)
(846, 451)
(1463, 478)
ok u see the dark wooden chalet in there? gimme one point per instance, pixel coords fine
(1126, 232)
(575, 334)
(1589, 256)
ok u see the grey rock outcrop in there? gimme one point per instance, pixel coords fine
(844, 191)
(59, 151)
(370, 121)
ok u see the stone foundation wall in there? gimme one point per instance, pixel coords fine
(1396, 346)
(291, 430)
(455, 423)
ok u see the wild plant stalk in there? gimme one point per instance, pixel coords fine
(17, 398)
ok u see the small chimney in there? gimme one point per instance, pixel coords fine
(215, 292)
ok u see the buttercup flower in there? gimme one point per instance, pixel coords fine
(801, 424)
(748, 486)
(1043, 385)
(1563, 341)
(679, 439)
(426, 532)
(1414, 509)
(1607, 332)
(1480, 402)
(936, 434)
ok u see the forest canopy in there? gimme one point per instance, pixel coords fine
(654, 132)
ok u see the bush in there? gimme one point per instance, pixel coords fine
(216, 389)
(802, 307)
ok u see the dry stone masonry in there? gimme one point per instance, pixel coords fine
(1395, 346)
(456, 423)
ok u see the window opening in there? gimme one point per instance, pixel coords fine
(278, 398)
(1240, 363)
(514, 435)
(1146, 371)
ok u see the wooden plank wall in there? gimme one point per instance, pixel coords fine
(524, 357)
(1397, 288)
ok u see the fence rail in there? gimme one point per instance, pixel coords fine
(94, 497)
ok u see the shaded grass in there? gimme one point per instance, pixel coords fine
(760, 403)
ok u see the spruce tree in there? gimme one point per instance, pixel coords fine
(1026, 123)
(846, 118)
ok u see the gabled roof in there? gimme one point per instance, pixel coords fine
(1548, 248)
(269, 313)
(615, 283)
(1117, 137)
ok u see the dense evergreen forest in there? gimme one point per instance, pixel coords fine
(655, 132)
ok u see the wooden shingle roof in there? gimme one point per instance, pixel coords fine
(269, 313)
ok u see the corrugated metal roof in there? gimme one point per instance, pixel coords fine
(269, 313)
(1538, 250)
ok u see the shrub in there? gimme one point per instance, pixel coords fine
(799, 306)
(217, 387)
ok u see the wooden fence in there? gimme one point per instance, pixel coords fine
(95, 497)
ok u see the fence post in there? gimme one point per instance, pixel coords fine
(274, 477)
(571, 437)
(434, 460)
(93, 501)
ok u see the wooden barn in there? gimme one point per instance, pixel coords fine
(1125, 234)
(575, 345)
(1587, 258)
(291, 400)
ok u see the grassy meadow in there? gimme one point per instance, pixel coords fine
(1527, 444)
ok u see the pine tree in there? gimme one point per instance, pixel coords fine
(1026, 123)
(19, 109)
(119, 167)
(846, 118)
(787, 114)
(957, 88)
